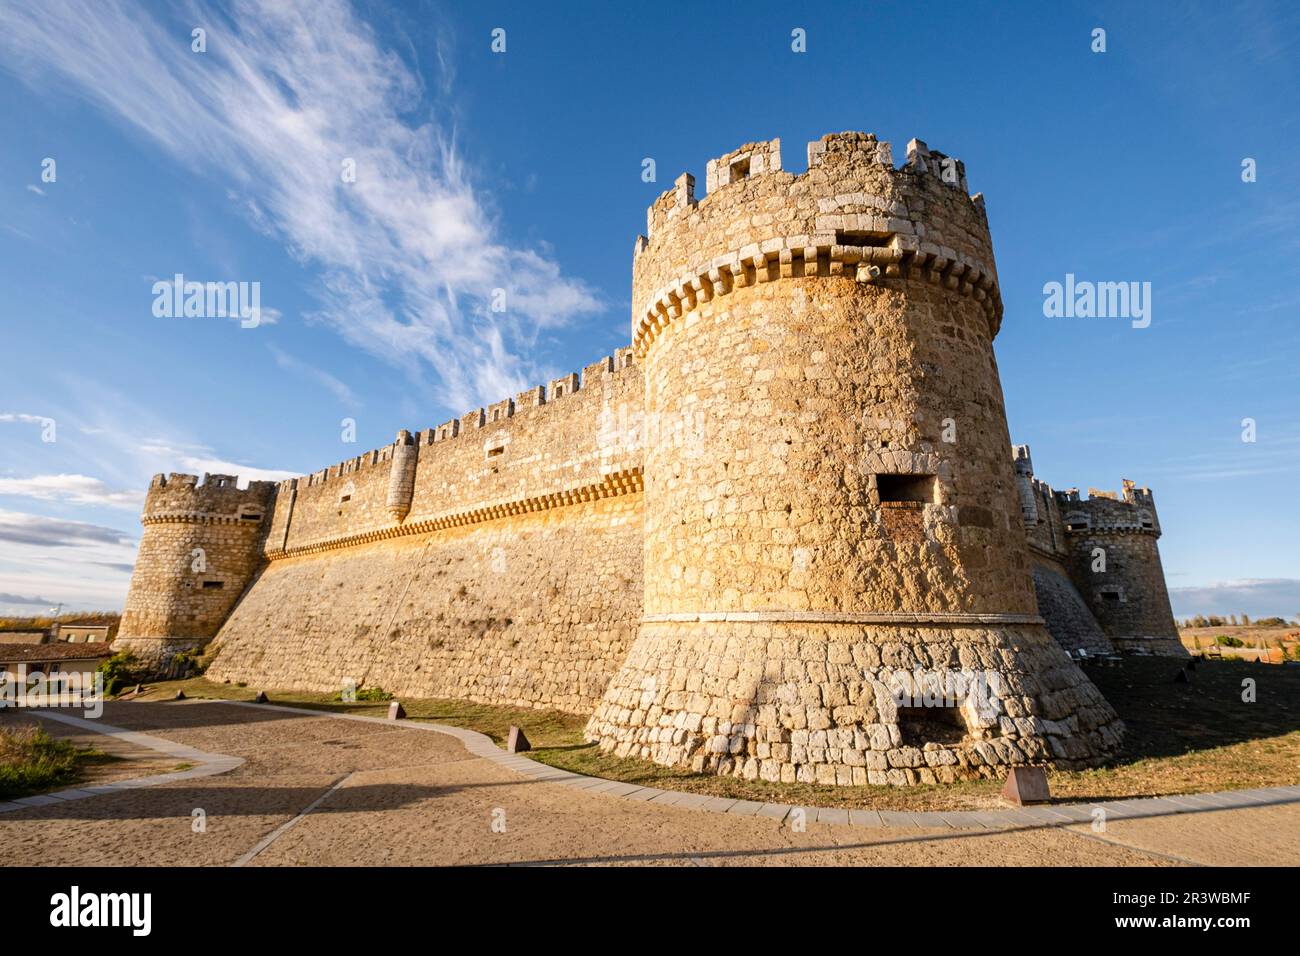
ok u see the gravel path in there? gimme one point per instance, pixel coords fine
(383, 794)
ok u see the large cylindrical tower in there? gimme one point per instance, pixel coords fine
(832, 524)
(200, 548)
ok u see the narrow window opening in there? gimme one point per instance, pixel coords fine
(873, 240)
(740, 170)
(894, 488)
(213, 585)
(494, 452)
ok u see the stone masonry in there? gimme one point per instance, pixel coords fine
(779, 537)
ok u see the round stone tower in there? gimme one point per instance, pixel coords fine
(837, 587)
(1116, 562)
(200, 547)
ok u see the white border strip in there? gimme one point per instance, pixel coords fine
(208, 764)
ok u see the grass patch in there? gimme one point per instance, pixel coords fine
(1182, 738)
(32, 762)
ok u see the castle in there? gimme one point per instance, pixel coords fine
(726, 543)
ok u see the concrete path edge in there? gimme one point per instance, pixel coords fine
(206, 764)
(1066, 814)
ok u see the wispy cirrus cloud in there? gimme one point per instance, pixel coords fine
(310, 372)
(408, 255)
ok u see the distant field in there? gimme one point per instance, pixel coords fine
(1260, 642)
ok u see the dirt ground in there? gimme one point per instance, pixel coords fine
(391, 795)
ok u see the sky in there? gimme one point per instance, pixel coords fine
(474, 169)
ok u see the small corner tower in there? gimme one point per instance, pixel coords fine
(201, 545)
(1115, 563)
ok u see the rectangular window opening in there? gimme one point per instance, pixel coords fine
(893, 488)
(850, 237)
(494, 452)
(740, 170)
(213, 585)
(924, 725)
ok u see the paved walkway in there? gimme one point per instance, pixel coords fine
(282, 786)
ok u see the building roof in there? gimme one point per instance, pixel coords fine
(39, 653)
(22, 636)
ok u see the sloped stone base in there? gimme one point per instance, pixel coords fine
(154, 654)
(1066, 612)
(819, 702)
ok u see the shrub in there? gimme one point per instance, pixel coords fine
(31, 761)
(119, 670)
(186, 664)
(1223, 640)
(368, 695)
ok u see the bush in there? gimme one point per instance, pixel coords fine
(31, 761)
(120, 670)
(185, 664)
(368, 695)
(1224, 640)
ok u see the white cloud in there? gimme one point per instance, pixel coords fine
(82, 565)
(408, 253)
(35, 189)
(199, 460)
(290, 364)
(17, 527)
(1258, 597)
(74, 489)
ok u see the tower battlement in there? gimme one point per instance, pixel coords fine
(1131, 510)
(851, 214)
(180, 497)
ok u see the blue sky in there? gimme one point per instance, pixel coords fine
(522, 170)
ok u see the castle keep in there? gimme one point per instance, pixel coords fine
(727, 544)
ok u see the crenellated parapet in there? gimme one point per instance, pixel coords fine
(407, 447)
(215, 499)
(851, 214)
(1131, 511)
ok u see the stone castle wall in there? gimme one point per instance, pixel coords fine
(724, 542)
(534, 610)
(496, 557)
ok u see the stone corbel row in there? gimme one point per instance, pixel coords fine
(196, 517)
(611, 486)
(752, 264)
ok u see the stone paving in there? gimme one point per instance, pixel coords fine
(284, 786)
